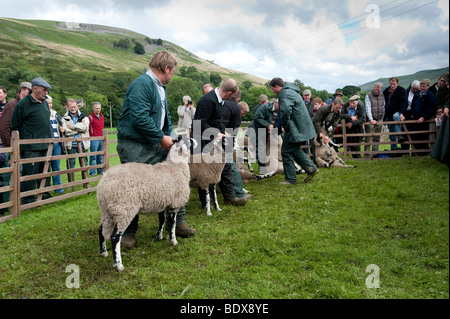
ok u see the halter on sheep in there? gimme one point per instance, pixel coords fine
(134, 188)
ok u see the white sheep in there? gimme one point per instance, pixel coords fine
(129, 189)
(206, 171)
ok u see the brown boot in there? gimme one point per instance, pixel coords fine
(183, 230)
(236, 201)
(309, 177)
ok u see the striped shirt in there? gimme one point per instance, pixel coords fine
(54, 124)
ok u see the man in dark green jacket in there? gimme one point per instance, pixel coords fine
(144, 128)
(31, 117)
(298, 128)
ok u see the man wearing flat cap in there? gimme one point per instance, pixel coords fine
(338, 94)
(354, 114)
(31, 117)
(307, 100)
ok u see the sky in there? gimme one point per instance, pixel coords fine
(326, 44)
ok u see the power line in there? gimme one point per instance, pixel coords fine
(322, 42)
(365, 27)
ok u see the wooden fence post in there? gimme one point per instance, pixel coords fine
(15, 174)
(344, 138)
(105, 143)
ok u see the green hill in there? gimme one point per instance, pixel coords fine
(77, 57)
(406, 80)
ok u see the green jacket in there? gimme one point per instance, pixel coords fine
(141, 113)
(32, 120)
(326, 119)
(295, 117)
(263, 116)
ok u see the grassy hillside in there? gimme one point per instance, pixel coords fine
(405, 80)
(76, 58)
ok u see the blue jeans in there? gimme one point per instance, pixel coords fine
(96, 146)
(394, 128)
(55, 165)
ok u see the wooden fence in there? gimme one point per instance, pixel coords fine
(15, 207)
(14, 204)
(407, 146)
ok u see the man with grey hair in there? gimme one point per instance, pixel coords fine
(375, 104)
(262, 99)
(31, 117)
(307, 99)
(423, 107)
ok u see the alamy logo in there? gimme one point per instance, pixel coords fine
(373, 19)
(73, 280)
(373, 280)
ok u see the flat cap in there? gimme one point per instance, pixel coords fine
(262, 98)
(26, 85)
(40, 82)
(306, 92)
(354, 98)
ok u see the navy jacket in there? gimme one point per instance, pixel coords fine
(424, 106)
(398, 102)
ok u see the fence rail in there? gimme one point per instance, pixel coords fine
(408, 145)
(13, 188)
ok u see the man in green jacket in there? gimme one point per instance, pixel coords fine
(144, 128)
(31, 117)
(298, 128)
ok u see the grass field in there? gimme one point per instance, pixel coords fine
(305, 241)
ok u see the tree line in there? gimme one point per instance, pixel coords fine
(186, 81)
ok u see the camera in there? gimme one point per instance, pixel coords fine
(190, 102)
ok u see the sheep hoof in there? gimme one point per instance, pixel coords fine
(174, 242)
(208, 213)
(119, 267)
(104, 254)
(219, 209)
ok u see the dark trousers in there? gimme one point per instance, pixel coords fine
(226, 183)
(292, 153)
(32, 169)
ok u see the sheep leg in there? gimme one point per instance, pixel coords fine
(216, 202)
(208, 202)
(103, 251)
(116, 238)
(172, 224)
(159, 234)
(246, 161)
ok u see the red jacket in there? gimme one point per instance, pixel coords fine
(96, 124)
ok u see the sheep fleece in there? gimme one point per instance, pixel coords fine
(129, 189)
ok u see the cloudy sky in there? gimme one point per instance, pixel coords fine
(326, 44)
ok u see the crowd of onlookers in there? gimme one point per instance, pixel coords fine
(420, 101)
(31, 113)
